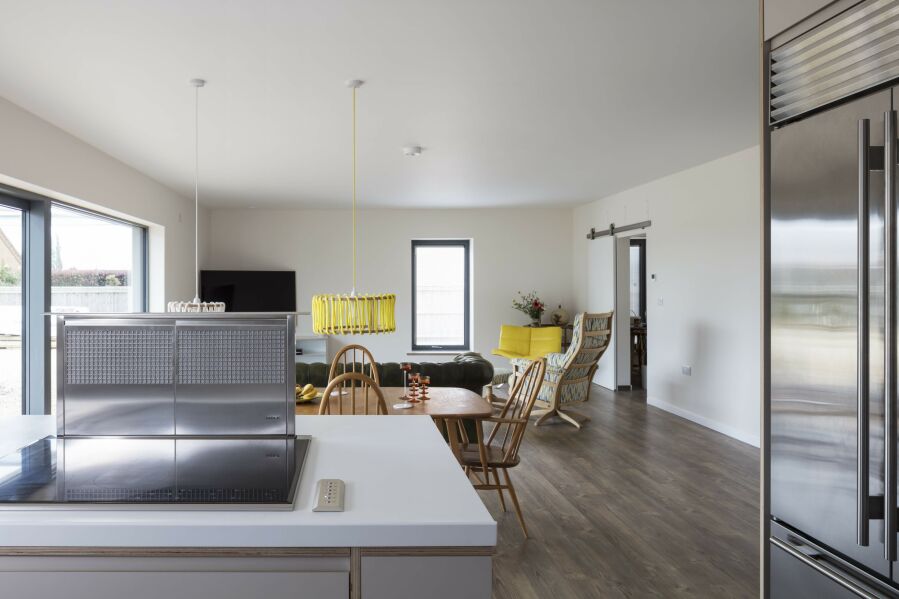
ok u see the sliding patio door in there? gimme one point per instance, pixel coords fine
(88, 262)
(12, 346)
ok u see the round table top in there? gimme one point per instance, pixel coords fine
(445, 402)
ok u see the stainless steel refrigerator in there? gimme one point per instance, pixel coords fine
(832, 154)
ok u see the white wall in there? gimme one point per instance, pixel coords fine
(704, 246)
(513, 250)
(40, 157)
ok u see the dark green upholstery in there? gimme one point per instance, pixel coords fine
(469, 371)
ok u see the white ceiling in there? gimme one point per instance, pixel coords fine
(516, 102)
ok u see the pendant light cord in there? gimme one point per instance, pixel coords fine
(197, 193)
(354, 191)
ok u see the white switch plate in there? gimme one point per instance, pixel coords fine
(686, 370)
(661, 302)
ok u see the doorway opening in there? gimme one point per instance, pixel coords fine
(638, 328)
(617, 265)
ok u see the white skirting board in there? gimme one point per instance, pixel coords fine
(706, 422)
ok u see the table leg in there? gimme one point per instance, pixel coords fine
(452, 436)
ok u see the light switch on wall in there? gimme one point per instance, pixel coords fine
(686, 370)
(661, 301)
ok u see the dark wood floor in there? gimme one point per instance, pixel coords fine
(638, 503)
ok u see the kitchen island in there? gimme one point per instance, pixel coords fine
(413, 527)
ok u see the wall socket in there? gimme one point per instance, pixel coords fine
(686, 370)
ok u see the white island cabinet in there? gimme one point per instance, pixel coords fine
(413, 527)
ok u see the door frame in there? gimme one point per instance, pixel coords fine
(620, 296)
(35, 296)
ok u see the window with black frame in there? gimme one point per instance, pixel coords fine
(441, 294)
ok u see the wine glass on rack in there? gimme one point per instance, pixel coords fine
(405, 367)
(413, 392)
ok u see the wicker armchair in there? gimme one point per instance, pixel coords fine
(569, 375)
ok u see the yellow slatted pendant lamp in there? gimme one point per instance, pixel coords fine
(342, 314)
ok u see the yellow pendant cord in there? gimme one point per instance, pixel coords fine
(341, 314)
(354, 191)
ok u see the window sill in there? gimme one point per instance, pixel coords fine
(437, 352)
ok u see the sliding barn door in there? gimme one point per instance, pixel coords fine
(601, 298)
(621, 330)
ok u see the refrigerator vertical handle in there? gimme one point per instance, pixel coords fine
(863, 362)
(889, 365)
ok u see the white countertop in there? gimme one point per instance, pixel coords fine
(403, 489)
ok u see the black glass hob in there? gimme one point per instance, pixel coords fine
(155, 472)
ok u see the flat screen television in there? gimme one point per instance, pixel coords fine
(250, 290)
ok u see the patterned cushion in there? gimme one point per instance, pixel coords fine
(569, 372)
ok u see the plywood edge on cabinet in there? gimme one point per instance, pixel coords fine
(176, 551)
(427, 551)
(244, 551)
(356, 573)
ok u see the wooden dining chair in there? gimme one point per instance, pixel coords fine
(500, 450)
(353, 358)
(352, 393)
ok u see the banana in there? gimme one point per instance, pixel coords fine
(306, 392)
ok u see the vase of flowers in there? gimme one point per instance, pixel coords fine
(531, 305)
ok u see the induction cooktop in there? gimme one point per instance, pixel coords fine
(154, 473)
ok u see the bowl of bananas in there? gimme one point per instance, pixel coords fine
(306, 393)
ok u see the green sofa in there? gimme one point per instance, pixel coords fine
(469, 370)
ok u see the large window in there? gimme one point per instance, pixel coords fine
(57, 258)
(11, 310)
(97, 265)
(441, 290)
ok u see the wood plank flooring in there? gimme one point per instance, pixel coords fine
(638, 503)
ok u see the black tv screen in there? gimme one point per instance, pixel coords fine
(250, 290)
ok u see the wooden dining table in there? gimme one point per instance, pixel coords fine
(447, 406)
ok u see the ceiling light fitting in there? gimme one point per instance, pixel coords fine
(196, 305)
(342, 314)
